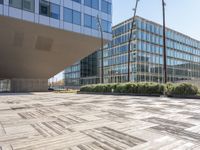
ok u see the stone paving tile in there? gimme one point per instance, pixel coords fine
(49, 121)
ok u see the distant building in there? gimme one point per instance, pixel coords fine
(183, 55)
(83, 72)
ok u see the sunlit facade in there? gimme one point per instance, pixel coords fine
(183, 54)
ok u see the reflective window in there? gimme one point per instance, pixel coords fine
(49, 9)
(94, 23)
(92, 3)
(106, 7)
(16, 3)
(88, 3)
(1, 1)
(95, 4)
(77, 17)
(106, 25)
(72, 16)
(54, 11)
(28, 5)
(68, 15)
(78, 1)
(90, 22)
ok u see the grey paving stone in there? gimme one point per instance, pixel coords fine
(52, 121)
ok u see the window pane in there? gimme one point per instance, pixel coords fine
(29, 5)
(88, 3)
(68, 15)
(1, 1)
(55, 11)
(16, 3)
(95, 4)
(109, 8)
(105, 26)
(87, 21)
(109, 27)
(104, 6)
(78, 1)
(44, 8)
(94, 23)
(76, 17)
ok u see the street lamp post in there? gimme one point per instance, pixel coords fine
(102, 43)
(130, 38)
(164, 45)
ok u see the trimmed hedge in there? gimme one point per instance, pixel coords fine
(185, 89)
(147, 88)
(143, 88)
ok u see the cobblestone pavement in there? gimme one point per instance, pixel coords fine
(49, 121)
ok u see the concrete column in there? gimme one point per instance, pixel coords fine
(29, 85)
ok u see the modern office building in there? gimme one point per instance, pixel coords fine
(183, 54)
(39, 38)
(83, 72)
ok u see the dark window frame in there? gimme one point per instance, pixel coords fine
(49, 12)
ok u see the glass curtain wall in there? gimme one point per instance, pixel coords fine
(183, 54)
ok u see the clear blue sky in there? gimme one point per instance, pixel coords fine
(181, 15)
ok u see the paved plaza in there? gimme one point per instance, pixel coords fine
(50, 121)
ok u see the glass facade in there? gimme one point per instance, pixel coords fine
(72, 16)
(53, 10)
(183, 54)
(83, 72)
(49, 9)
(72, 75)
(92, 3)
(89, 71)
(90, 22)
(28, 5)
(1, 1)
(106, 7)
(78, 1)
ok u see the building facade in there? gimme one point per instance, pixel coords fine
(42, 37)
(83, 72)
(183, 54)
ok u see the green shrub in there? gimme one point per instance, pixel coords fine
(120, 88)
(111, 87)
(147, 88)
(132, 88)
(150, 88)
(181, 89)
(87, 88)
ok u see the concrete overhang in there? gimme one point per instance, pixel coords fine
(34, 51)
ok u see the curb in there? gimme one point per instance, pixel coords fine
(151, 95)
